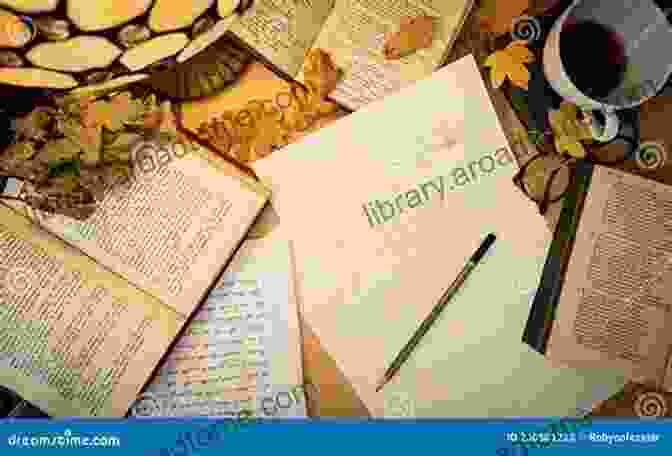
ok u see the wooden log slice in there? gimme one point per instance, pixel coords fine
(151, 51)
(204, 40)
(30, 6)
(36, 77)
(74, 55)
(76, 43)
(95, 15)
(171, 15)
(111, 85)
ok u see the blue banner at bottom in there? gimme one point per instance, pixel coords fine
(191, 437)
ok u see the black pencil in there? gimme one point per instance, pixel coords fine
(436, 311)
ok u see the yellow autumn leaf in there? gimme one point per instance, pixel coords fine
(510, 63)
(568, 130)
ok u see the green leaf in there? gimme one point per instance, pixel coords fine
(63, 168)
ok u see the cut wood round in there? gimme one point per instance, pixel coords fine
(151, 51)
(30, 6)
(111, 85)
(170, 15)
(225, 8)
(36, 77)
(15, 31)
(74, 55)
(207, 38)
(94, 15)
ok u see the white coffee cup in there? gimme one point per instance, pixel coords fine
(644, 29)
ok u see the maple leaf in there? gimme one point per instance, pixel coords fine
(414, 33)
(497, 16)
(568, 130)
(510, 63)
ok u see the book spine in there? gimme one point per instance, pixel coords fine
(542, 313)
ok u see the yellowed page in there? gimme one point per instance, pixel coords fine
(384, 209)
(257, 83)
(242, 350)
(75, 339)
(171, 230)
(615, 302)
(355, 33)
(282, 30)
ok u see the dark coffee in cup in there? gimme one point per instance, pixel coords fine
(594, 57)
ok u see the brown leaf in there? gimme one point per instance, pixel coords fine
(413, 34)
(320, 73)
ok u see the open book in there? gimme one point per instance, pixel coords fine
(353, 32)
(605, 296)
(84, 323)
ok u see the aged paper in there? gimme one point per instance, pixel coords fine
(75, 339)
(256, 84)
(282, 30)
(241, 351)
(354, 35)
(382, 220)
(615, 302)
(171, 229)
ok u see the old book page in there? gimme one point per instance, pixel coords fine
(615, 302)
(355, 33)
(242, 350)
(171, 229)
(282, 30)
(75, 339)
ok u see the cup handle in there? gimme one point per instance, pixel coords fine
(608, 129)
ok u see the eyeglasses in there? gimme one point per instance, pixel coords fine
(546, 177)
